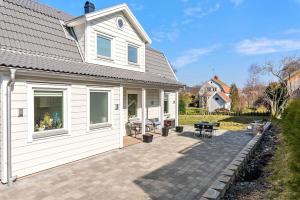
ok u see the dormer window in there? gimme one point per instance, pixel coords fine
(132, 54)
(103, 46)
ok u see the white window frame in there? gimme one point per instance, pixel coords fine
(109, 124)
(168, 95)
(137, 56)
(66, 130)
(111, 58)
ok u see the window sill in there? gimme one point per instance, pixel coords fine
(50, 133)
(105, 58)
(133, 64)
(100, 126)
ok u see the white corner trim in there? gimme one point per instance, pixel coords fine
(121, 110)
(3, 143)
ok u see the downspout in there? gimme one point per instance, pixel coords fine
(9, 88)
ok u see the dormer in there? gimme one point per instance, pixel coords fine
(111, 37)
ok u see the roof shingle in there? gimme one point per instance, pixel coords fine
(32, 37)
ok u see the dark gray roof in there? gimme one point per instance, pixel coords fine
(26, 61)
(157, 63)
(32, 37)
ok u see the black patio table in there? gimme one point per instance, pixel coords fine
(200, 126)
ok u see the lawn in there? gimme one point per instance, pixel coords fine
(226, 122)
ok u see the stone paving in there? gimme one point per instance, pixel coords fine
(176, 167)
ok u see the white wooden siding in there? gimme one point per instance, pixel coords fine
(45, 153)
(120, 39)
(152, 104)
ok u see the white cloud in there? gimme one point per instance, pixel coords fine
(266, 46)
(292, 31)
(199, 11)
(170, 34)
(238, 2)
(137, 7)
(192, 55)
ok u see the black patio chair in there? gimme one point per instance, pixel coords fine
(208, 130)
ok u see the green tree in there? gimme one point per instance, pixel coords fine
(235, 98)
(182, 106)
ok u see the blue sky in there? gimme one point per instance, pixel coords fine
(206, 37)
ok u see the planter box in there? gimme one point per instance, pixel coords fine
(179, 129)
(147, 138)
(165, 131)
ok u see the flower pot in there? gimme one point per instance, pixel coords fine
(179, 129)
(165, 131)
(147, 138)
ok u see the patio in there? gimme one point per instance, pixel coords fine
(174, 167)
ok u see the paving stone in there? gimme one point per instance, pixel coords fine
(212, 194)
(174, 167)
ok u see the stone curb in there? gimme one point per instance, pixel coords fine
(218, 189)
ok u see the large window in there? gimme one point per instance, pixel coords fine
(99, 106)
(132, 105)
(132, 54)
(48, 110)
(103, 46)
(166, 103)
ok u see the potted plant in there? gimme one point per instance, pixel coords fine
(165, 131)
(147, 138)
(179, 129)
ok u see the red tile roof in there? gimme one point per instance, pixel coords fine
(225, 87)
(224, 96)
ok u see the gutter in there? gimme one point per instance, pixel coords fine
(9, 88)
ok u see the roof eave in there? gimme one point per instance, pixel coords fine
(118, 8)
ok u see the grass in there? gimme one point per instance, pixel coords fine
(226, 122)
(285, 167)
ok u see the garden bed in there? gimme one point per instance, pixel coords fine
(253, 183)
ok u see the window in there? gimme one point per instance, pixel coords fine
(132, 105)
(132, 54)
(166, 103)
(99, 108)
(217, 99)
(103, 46)
(48, 110)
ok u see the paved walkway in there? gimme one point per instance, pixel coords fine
(176, 167)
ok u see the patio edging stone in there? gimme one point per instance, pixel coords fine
(228, 176)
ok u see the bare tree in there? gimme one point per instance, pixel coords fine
(253, 88)
(278, 93)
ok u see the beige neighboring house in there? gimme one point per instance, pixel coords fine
(70, 84)
(294, 83)
(214, 94)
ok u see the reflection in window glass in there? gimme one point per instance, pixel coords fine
(132, 54)
(132, 105)
(103, 46)
(98, 107)
(166, 103)
(48, 110)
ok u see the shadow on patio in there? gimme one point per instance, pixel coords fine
(189, 176)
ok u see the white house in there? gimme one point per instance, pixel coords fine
(214, 94)
(70, 84)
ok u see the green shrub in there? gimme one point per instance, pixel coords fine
(291, 136)
(285, 166)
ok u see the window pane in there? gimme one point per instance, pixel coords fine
(103, 46)
(166, 103)
(98, 107)
(132, 105)
(132, 54)
(48, 110)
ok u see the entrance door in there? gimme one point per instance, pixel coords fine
(132, 106)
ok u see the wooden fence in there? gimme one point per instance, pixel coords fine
(203, 112)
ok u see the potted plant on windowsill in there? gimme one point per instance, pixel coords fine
(147, 138)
